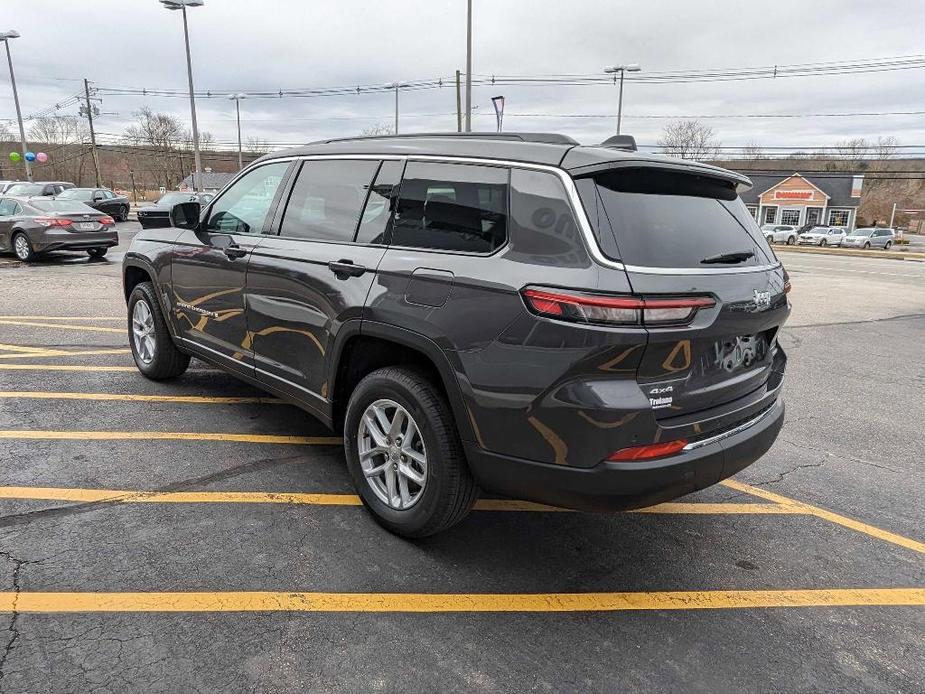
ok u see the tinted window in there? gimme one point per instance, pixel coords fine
(327, 198)
(543, 225)
(82, 194)
(454, 207)
(380, 203)
(25, 189)
(243, 208)
(7, 207)
(670, 219)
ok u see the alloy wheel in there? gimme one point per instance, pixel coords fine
(21, 247)
(143, 331)
(392, 454)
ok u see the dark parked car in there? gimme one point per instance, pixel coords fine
(587, 327)
(39, 188)
(158, 215)
(101, 199)
(30, 227)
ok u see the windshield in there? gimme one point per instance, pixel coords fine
(659, 218)
(60, 206)
(175, 198)
(26, 189)
(75, 194)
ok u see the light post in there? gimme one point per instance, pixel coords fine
(396, 86)
(182, 5)
(5, 38)
(613, 69)
(237, 105)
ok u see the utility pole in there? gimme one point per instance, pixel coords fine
(893, 215)
(458, 105)
(469, 67)
(396, 108)
(96, 158)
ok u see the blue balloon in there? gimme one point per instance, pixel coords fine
(30, 156)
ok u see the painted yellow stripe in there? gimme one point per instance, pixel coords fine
(65, 367)
(65, 353)
(76, 318)
(133, 397)
(456, 602)
(63, 326)
(860, 527)
(170, 436)
(23, 348)
(319, 499)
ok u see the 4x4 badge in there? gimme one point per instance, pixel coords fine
(762, 299)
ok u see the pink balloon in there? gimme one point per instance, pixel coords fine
(42, 157)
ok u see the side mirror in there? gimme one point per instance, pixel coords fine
(185, 215)
(98, 197)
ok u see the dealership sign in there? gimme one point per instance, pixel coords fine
(793, 194)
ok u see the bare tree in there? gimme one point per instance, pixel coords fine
(162, 135)
(886, 147)
(67, 138)
(377, 129)
(753, 151)
(689, 139)
(256, 146)
(6, 135)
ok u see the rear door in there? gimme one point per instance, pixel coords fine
(209, 266)
(314, 273)
(680, 234)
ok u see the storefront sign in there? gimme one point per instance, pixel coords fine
(793, 194)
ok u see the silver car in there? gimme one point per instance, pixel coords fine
(822, 236)
(870, 237)
(780, 233)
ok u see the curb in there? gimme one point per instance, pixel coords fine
(9, 263)
(914, 256)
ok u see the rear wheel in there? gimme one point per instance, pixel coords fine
(823, 243)
(122, 213)
(791, 240)
(867, 246)
(156, 356)
(886, 246)
(23, 248)
(97, 252)
(404, 453)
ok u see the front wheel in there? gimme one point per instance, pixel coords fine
(156, 356)
(887, 245)
(404, 453)
(823, 243)
(791, 240)
(867, 246)
(122, 213)
(23, 248)
(97, 252)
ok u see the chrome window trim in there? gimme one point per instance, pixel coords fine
(694, 445)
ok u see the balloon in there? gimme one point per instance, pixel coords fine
(14, 157)
(42, 157)
(30, 156)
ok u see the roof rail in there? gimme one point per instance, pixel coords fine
(625, 142)
(547, 138)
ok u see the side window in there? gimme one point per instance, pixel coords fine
(380, 204)
(6, 207)
(453, 207)
(327, 198)
(243, 208)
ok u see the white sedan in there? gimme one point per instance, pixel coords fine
(780, 233)
(823, 236)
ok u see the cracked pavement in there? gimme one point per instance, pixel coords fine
(852, 444)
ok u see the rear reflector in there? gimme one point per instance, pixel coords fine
(786, 282)
(615, 310)
(648, 451)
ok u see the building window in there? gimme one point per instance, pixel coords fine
(838, 218)
(770, 215)
(791, 217)
(753, 211)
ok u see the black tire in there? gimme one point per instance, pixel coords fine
(450, 491)
(167, 361)
(867, 246)
(887, 245)
(823, 243)
(22, 247)
(791, 240)
(122, 213)
(97, 252)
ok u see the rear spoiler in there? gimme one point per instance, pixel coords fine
(625, 142)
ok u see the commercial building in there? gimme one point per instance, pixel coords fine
(825, 199)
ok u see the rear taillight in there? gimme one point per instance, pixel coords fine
(787, 286)
(108, 221)
(648, 451)
(53, 221)
(581, 307)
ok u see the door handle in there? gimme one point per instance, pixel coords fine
(345, 268)
(234, 251)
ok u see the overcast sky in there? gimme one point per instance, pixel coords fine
(241, 45)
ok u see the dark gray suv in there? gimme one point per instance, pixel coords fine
(587, 327)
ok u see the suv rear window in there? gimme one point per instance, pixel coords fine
(658, 218)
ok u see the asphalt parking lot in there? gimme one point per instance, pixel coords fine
(197, 535)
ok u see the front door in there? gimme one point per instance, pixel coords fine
(306, 282)
(209, 266)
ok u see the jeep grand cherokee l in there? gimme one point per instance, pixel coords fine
(580, 326)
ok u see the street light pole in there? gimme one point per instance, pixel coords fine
(237, 104)
(182, 5)
(5, 37)
(396, 86)
(469, 67)
(632, 67)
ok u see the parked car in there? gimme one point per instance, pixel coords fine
(780, 233)
(870, 237)
(101, 199)
(580, 326)
(33, 226)
(158, 214)
(39, 188)
(5, 185)
(822, 236)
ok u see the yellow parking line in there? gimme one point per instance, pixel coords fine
(64, 367)
(170, 436)
(63, 326)
(871, 530)
(455, 602)
(132, 397)
(64, 353)
(22, 348)
(319, 499)
(62, 318)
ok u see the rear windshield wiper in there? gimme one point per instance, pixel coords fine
(735, 257)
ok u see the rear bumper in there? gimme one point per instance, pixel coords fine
(70, 240)
(623, 486)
